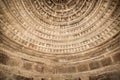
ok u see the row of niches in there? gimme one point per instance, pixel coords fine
(40, 67)
(61, 37)
(57, 35)
(77, 30)
(100, 51)
(60, 2)
(14, 33)
(68, 21)
(66, 13)
(103, 76)
(106, 76)
(32, 15)
(64, 36)
(31, 67)
(63, 47)
(56, 48)
(49, 37)
(59, 5)
(10, 76)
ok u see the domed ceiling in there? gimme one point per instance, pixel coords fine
(59, 39)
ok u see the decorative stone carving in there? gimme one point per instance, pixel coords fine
(59, 39)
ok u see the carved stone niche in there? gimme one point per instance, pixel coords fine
(116, 57)
(94, 65)
(82, 67)
(27, 65)
(3, 58)
(106, 61)
(61, 69)
(106, 76)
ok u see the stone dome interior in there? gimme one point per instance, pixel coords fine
(59, 39)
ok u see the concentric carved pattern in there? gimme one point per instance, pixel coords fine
(54, 38)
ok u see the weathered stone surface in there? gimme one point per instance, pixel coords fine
(106, 76)
(116, 57)
(3, 58)
(39, 68)
(27, 66)
(106, 61)
(62, 69)
(14, 62)
(82, 67)
(94, 65)
(60, 38)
